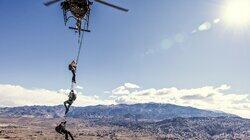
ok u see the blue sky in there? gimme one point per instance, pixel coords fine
(153, 45)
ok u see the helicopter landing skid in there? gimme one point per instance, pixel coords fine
(77, 30)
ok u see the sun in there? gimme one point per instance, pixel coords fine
(237, 12)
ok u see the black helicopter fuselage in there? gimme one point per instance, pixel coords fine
(78, 8)
(80, 11)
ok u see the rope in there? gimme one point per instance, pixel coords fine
(80, 42)
(73, 85)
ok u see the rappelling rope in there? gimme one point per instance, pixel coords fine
(80, 42)
(70, 101)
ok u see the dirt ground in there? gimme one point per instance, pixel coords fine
(44, 129)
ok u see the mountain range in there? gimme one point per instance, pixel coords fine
(137, 121)
(145, 112)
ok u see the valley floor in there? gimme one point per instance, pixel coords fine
(44, 129)
(27, 128)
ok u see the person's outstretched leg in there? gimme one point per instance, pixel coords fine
(69, 104)
(74, 76)
(66, 135)
(71, 136)
(65, 132)
(66, 107)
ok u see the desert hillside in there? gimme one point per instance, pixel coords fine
(122, 122)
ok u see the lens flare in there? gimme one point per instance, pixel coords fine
(237, 12)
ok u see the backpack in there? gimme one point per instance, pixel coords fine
(72, 96)
(70, 67)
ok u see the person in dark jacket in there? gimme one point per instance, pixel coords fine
(69, 102)
(72, 68)
(61, 129)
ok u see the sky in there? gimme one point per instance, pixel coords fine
(190, 53)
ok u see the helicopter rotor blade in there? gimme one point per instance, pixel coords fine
(48, 3)
(112, 5)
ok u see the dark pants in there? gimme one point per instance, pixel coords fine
(74, 76)
(67, 134)
(63, 131)
(67, 106)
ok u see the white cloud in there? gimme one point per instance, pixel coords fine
(208, 97)
(75, 87)
(224, 87)
(120, 91)
(125, 89)
(79, 87)
(131, 86)
(12, 95)
(106, 92)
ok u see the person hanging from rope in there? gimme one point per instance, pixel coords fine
(61, 129)
(72, 68)
(69, 102)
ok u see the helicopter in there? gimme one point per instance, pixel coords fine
(80, 11)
